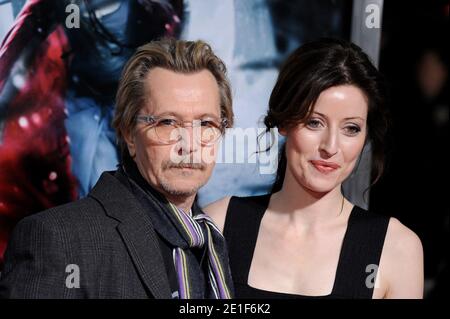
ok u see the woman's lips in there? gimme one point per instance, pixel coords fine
(325, 167)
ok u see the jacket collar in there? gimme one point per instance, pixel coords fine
(137, 232)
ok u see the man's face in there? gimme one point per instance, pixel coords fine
(180, 168)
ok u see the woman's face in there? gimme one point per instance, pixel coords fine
(322, 152)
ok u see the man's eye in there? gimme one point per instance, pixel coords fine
(167, 122)
(207, 123)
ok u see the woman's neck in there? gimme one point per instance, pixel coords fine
(304, 207)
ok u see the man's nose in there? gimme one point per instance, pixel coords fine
(188, 141)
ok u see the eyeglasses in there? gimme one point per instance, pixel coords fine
(169, 130)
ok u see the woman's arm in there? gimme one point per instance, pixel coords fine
(401, 265)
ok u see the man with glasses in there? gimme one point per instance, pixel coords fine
(139, 232)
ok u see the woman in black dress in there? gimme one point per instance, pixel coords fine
(305, 239)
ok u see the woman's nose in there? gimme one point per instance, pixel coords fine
(330, 143)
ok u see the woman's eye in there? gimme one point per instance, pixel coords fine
(352, 130)
(314, 123)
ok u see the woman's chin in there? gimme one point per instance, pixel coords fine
(320, 188)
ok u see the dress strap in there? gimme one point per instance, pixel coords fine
(360, 254)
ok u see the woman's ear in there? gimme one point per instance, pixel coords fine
(282, 131)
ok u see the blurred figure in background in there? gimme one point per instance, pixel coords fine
(60, 65)
(433, 104)
(414, 60)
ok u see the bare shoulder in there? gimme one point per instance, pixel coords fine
(402, 240)
(218, 211)
(401, 262)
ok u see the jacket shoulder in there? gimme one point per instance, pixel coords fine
(84, 218)
(79, 211)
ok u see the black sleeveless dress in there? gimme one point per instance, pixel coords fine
(361, 247)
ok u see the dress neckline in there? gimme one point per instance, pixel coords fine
(291, 295)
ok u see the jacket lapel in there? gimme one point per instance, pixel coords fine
(137, 232)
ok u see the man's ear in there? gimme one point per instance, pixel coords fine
(129, 140)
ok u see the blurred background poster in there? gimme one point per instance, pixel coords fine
(60, 62)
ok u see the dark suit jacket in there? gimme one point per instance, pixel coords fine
(107, 235)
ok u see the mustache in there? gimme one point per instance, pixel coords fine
(184, 164)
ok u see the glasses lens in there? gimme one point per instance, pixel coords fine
(171, 131)
(209, 135)
(168, 131)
